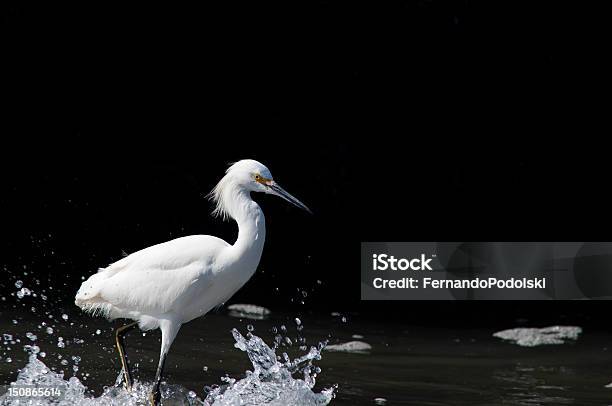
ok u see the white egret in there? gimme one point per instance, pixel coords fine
(166, 285)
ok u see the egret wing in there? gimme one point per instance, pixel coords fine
(171, 255)
(155, 279)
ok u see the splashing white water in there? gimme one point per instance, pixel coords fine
(270, 383)
(72, 391)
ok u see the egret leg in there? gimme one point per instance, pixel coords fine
(119, 333)
(155, 396)
(168, 328)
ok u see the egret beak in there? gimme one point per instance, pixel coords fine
(279, 191)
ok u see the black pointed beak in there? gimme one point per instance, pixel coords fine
(279, 191)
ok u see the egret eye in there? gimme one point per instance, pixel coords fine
(257, 177)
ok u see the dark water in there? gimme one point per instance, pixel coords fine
(407, 365)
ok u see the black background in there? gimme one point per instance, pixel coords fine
(422, 121)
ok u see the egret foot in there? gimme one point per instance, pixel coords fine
(154, 397)
(119, 333)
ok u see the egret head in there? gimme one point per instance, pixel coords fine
(250, 176)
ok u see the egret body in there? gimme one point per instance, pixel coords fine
(169, 284)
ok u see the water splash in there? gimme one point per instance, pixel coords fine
(271, 382)
(73, 392)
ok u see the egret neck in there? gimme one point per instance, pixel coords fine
(251, 230)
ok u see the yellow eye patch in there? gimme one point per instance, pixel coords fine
(261, 179)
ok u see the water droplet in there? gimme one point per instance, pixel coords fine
(343, 319)
(192, 394)
(65, 316)
(26, 291)
(205, 368)
(18, 284)
(31, 336)
(250, 327)
(98, 331)
(64, 362)
(298, 321)
(9, 360)
(49, 330)
(43, 354)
